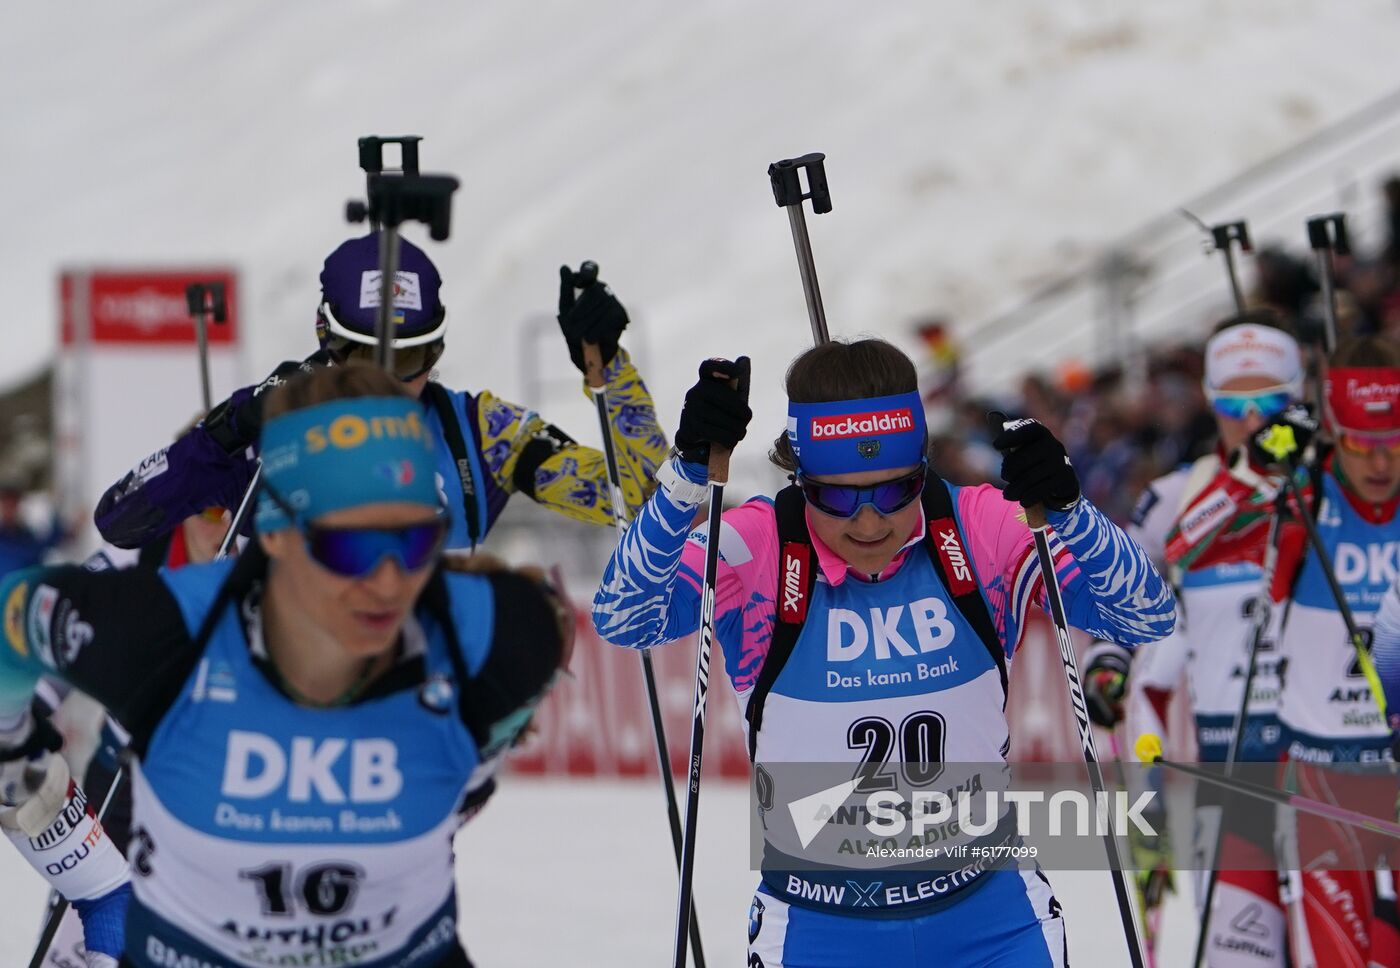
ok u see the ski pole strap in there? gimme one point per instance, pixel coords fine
(441, 401)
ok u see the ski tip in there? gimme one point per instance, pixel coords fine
(1148, 747)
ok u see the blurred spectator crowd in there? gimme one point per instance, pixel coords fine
(1124, 427)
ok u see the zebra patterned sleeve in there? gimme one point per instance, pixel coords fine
(1121, 596)
(640, 602)
(1385, 652)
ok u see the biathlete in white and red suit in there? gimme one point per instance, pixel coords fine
(1253, 371)
(886, 639)
(1345, 914)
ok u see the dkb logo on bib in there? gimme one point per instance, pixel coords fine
(849, 633)
(257, 766)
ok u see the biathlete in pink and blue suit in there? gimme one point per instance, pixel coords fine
(871, 612)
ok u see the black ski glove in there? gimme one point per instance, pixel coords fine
(1034, 464)
(236, 423)
(715, 412)
(1105, 685)
(1281, 443)
(594, 316)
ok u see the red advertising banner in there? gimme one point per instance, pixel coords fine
(596, 722)
(141, 307)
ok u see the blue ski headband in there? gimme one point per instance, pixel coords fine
(346, 453)
(848, 436)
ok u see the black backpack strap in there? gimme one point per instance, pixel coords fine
(249, 568)
(948, 550)
(441, 400)
(797, 575)
(435, 597)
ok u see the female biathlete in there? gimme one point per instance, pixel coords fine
(307, 719)
(1341, 913)
(1253, 371)
(488, 449)
(902, 603)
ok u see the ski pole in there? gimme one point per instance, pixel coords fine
(1149, 750)
(1327, 234)
(393, 200)
(1256, 636)
(59, 907)
(241, 513)
(1223, 239)
(372, 160)
(1226, 236)
(1151, 913)
(786, 178)
(598, 388)
(718, 477)
(205, 299)
(1035, 519)
(388, 274)
(1358, 639)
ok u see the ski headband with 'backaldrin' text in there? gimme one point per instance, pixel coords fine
(848, 436)
(1363, 400)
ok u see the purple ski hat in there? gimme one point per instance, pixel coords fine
(350, 295)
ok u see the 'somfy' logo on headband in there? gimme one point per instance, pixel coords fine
(349, 431)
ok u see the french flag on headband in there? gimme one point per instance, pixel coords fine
(849, 436)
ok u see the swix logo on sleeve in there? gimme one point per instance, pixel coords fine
(793, 606)
(862, 424)
(950, 550)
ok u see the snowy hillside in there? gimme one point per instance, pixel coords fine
(975, 150)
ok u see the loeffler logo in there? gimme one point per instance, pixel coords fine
(950, 550)
(1374, 396)
(1209, 512)
(862, 424)
(794, 607)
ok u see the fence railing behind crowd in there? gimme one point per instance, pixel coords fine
(1154, 283)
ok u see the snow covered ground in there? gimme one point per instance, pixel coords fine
(580, 873)
(975, 151)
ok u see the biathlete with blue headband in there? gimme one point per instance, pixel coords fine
(488, 448)
(870, 613)
(1253, 371)
(308, 719)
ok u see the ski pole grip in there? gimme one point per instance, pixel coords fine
(207, 298)
(786, 177)
(593, 365)
(718, 465)
(1230, 232)
(1035, 517)
(372, 153)
(1329, 232)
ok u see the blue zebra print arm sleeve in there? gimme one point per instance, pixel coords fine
(640, 602)
(1385, 652)
(1121, 596)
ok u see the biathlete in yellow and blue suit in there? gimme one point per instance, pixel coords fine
(488, 449)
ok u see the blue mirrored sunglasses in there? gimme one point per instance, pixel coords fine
(1237, 405)
(844, 501)
(356, 552)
